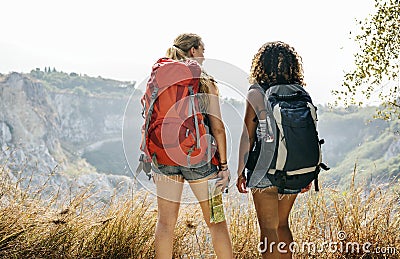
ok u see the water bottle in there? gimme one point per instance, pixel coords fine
(264, 130)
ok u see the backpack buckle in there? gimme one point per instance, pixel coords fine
(145, 164)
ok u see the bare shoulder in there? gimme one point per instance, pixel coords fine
(212, 87)
(255, 97)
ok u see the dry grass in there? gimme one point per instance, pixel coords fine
(31, 227)
(353, 223)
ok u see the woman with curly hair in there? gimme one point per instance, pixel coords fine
(276, 63)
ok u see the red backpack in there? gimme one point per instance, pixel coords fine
(174, 132)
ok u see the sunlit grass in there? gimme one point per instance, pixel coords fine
(77, 227)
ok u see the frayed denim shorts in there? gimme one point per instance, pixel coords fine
(266, 183)
(188, 173)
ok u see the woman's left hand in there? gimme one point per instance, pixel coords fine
(241, 183)
(224, 177)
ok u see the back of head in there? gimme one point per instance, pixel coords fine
(182, 44)
(180, 50)
(276, 63)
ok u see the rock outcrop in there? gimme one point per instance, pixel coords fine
(45, 132)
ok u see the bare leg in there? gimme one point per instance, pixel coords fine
(285, 235)
(219, 231)
(266, 204)
(169, 192)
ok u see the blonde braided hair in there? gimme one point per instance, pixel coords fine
(180, 51)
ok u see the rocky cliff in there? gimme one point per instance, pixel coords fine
(45, 131)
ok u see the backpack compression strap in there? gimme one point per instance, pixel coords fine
(144, 164)
(148, 117)
(192, 111)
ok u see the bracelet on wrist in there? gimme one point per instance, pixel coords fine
(223, 166)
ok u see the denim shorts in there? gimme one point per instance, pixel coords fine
(188, 173)
(266, 183)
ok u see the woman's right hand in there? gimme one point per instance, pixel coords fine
(241, 184)
(224, 177)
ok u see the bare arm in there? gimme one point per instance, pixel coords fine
(217, 126)
(218, 131)
(248, 134)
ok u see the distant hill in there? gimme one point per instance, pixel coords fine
(81, 84)
(355, 140)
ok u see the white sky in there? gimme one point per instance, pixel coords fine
(122, 39)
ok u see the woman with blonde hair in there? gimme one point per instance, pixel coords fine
(169, 179)
(276, 63)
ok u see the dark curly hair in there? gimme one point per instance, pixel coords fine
(276, 63)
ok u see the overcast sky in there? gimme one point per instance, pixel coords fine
(122, 39)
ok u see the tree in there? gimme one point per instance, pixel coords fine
(376, 63)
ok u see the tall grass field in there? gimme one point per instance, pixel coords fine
(357, 222)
